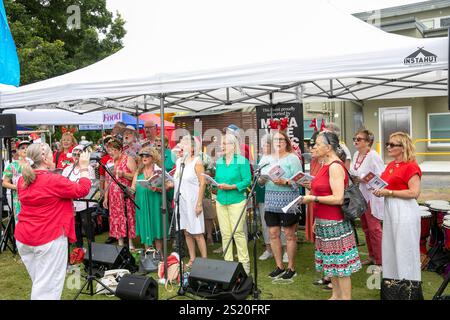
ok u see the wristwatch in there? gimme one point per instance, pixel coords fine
(316, 199)
(391, 193)
(287, 182)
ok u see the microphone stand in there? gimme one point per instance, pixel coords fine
(181, 290)
(251, 195)
(126, 195)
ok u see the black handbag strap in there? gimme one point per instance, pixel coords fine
(348, 173)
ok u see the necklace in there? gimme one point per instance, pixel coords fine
(358, 163)
(148, 172)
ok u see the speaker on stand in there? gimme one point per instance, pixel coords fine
(8, 129)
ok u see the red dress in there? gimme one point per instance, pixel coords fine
(117, 226)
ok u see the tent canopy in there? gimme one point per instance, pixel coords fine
(205, 54)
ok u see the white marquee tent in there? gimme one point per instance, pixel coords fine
(205, 54)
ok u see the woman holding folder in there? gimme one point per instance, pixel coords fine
(280, 191)
(149, 221)
(233, 177)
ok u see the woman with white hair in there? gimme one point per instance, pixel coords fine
(233, 176)
(47, 220)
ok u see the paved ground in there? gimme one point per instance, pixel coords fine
(435, 187)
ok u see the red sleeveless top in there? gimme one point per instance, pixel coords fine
(320, 186)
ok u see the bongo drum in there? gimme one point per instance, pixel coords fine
(446, 231)
(438, 211)
(425, 223)
(428, 203)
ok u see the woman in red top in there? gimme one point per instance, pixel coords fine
(63, 157)
(336, 252)
(47, 219)
(401, 225)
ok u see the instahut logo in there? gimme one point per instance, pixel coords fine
(420, 57)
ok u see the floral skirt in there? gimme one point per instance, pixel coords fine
(336, 252)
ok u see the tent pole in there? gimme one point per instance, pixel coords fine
(164, 196)
(137, 118)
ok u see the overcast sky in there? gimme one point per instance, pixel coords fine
(130, 8)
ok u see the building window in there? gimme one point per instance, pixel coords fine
(429, 23)
(439, 128)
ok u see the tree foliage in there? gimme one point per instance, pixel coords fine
(50, 44)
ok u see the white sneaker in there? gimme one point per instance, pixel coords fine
(285, 257)
(266, 255)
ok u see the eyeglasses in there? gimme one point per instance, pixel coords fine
(75, 154)
(145, 155)
(358, 139)
(149, 127)
(392, 145)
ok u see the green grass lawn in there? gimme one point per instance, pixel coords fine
(15, 283)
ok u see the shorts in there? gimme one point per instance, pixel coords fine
(276, 219)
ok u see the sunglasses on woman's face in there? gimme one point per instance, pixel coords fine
(358, 139)
(144, 155)
(392, 145)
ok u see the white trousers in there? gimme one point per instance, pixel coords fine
(401, 239)
(46, 265)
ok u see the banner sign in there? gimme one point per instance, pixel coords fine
(292, 111)
(110, 118)
(88, 127)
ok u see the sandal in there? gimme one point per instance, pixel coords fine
(322, 281)
(368, 262)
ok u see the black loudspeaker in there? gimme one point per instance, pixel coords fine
(217, 275)
(109, 256)
(8, 126)
(135, 287)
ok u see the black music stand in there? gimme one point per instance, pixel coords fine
(181, 290)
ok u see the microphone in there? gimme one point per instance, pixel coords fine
(90, 143)
(258, 168)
